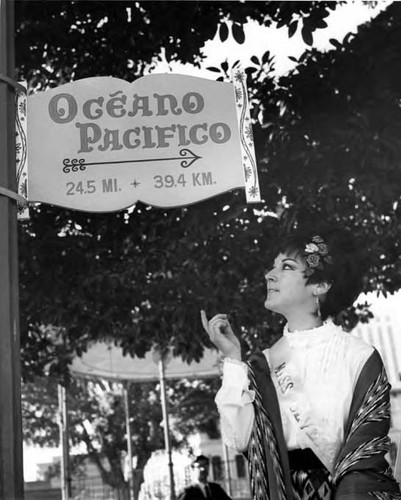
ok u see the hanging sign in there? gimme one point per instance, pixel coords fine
(101, 144)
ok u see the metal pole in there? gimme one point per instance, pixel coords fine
(166, 427)
(64, 441)
(11, 462)
(227, 468)
(129, 439)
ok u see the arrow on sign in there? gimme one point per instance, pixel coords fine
(187, 158)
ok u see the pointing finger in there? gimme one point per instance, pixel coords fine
(205, 322)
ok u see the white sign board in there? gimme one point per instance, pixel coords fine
(101, 144)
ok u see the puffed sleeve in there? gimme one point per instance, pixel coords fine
(234, 402)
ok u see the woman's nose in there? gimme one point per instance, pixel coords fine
(270, 275)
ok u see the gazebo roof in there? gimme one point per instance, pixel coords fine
(106, 361)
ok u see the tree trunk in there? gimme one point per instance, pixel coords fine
(138, 480)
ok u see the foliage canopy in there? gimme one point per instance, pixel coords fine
(138, 277)
(327, 145)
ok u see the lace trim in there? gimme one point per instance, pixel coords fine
(328, 327)
(230, 438)
(235, 362)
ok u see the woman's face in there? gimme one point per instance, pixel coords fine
(287, 291)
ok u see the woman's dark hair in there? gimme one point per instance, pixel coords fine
(341, 261)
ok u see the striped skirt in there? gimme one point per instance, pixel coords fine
(310, 479)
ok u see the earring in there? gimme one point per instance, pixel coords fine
(318, 307)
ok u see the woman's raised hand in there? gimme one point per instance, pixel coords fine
(222, 335)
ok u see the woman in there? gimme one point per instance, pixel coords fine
(312, 412)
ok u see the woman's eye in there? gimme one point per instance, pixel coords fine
(287, 266)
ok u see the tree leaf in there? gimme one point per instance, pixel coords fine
(348, 38)
(292, 28)
(281, 22)
(238, 33)
(321, 23)
(335, 42)
(266, 57)
(223, 32)
(307, 36)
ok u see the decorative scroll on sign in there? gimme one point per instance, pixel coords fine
(21, 151)
(101, 144)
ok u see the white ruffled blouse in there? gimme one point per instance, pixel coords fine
(320, 374)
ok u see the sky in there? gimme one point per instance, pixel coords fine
(257, 41)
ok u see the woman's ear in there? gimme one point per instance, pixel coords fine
(322, 288)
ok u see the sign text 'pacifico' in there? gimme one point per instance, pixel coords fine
(101, 144)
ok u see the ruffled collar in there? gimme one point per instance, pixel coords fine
(328, 327)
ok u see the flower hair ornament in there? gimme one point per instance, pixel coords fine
(316, 254)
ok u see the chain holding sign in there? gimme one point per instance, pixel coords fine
(101, 144)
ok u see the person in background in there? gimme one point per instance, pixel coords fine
(201, 487)
(311, 413)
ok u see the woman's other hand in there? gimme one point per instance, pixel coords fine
(222, 335)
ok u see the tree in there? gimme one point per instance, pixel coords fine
(328, 140)
(334, 144)
(323, 138)
(105, 274)
(97, 421)
(125, 39)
